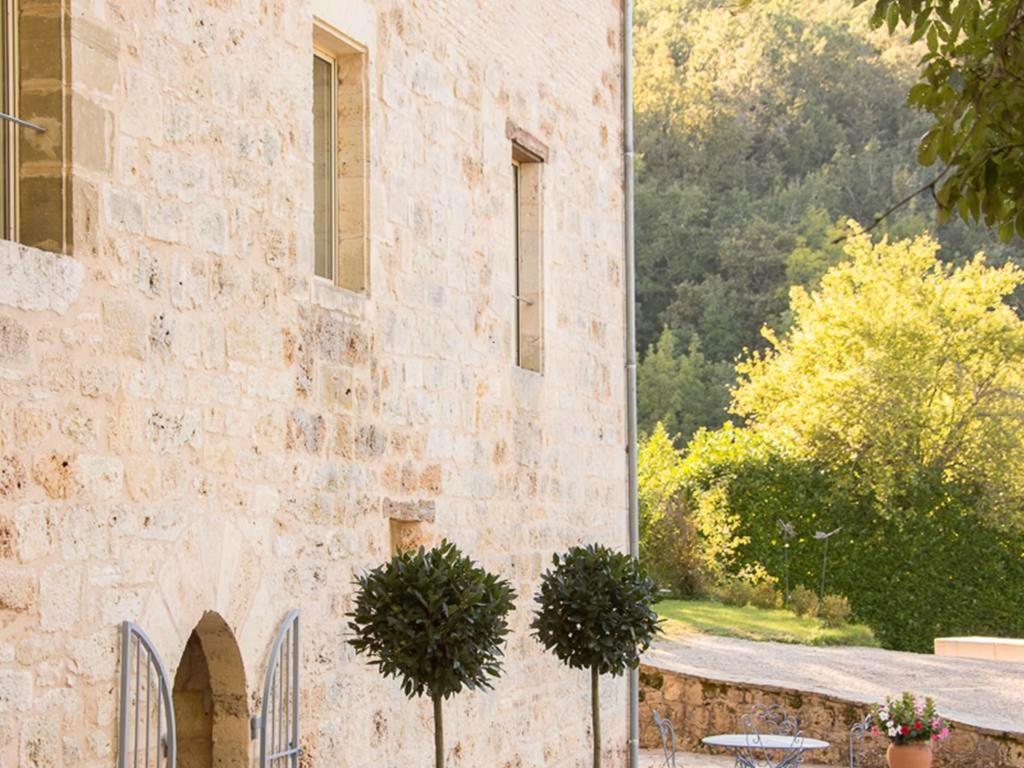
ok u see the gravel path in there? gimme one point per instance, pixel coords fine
(988, 694)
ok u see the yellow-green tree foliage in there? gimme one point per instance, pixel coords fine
(668, 539)
(900, 369)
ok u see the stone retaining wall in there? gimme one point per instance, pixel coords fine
(700, 706)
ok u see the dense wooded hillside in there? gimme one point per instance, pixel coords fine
(760, 133)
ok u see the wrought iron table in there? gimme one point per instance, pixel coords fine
(752, 750)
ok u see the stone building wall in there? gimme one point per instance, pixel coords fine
(700, 707)
(190, 423)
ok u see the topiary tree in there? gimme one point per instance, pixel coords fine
(595, 613)
(436, 621)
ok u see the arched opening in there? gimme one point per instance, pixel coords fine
(210, 699)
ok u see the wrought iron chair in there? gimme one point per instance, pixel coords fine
(857, 734)
(770, 720)
(668, 739)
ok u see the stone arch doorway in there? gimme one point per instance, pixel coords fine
(209, 696)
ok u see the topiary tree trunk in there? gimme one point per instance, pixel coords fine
(438, 734)
(595, 713)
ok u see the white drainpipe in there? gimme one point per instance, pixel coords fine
(630, 289)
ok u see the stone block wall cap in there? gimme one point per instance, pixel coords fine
(526, 146)
(420, 511)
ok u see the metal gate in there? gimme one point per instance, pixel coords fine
(146, 721)
(279, 719)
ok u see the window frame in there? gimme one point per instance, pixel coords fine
(517, 170)
(525, 160)
(34, 170)
(351, 244)
(9, 197)
(332, 170)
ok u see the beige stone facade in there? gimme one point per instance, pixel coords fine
(195, 432)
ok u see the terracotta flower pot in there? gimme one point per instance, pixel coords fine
(910, 755)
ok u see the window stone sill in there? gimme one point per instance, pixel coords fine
(37, 280)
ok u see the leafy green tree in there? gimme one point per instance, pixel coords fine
(682, 390)
(914, 568)
(972, 86)
(669, 547)
(434, 620)
(759, 135)
(902, 369)
(594, 612)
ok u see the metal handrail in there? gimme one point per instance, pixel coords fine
(19, 121)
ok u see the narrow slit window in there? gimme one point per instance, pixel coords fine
(34, 153)
(340, 170)
(526, 192)
(7, 48)
(324, 141)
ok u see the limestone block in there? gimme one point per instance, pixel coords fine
(161, 335)
(102, 477)
(210, 230)
(90, 135)
(56, 473)
(15, 690)
(179, 122)
(83, 533)
(189, 283)
(305, 431)
(167, 220)
(242, 339)
(122, 210)
(94, 51)
(7, 538)
(60, 597)
(12, 477)
(17, 589)
(98, 381)
(336, 387)
(40, 743)
(124, 325)
(13, 341)
(142, 478)
(79, 426)
(38, 280)
(173, 176)
(141, 115)
(170, 429)
(34, 526)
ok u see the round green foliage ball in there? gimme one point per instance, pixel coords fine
(594, 609)
(434, 620)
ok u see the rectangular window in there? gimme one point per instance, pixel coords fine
(324, 139)
(34, 151)
(526, 190)
(5, 51)
(340, 167)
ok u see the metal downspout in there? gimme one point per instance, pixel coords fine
(630, 289)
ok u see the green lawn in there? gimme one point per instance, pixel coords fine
(749, 623)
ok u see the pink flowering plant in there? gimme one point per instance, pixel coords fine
(908, 720)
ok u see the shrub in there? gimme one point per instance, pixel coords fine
(931, 533)
(765, 595)
(594, 612)
(834, 611)
(803, 601)
(735, 591)
(669, 546)
(436, 621)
